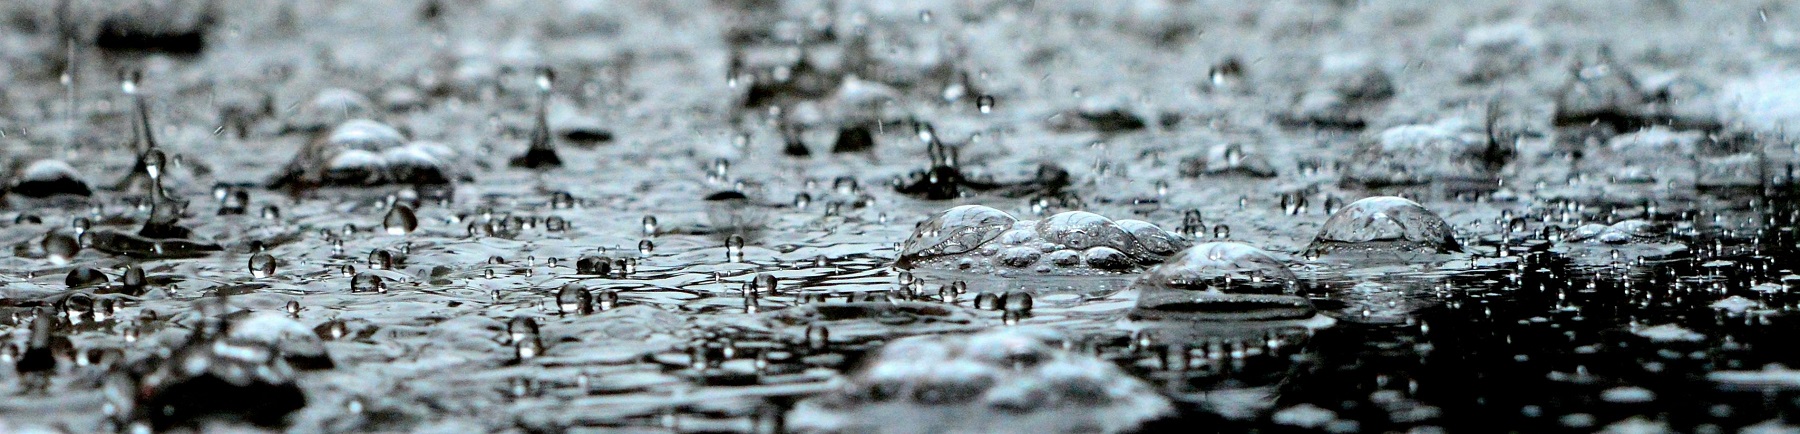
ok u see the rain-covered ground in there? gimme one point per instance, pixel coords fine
(753, 216)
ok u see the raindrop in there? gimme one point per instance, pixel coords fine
(82, 277)
(734, 248)
(593, 266)
(60, 248)
(817, 337)
(574, 299)
(400, 220)
(381, 259)
(262, 265)
(368, 282)
(764, 283)
(607, 300)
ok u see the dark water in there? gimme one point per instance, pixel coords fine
(755, 216)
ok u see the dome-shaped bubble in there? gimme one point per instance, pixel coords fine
(355, 167)
(1644, 156)
(1220, 281)
(49, 177)
(1385, 223)
(999, 381)
(366, 135)
(956, 230)
(1076, 243)
(1152, 238)
(1422, 153)
(1082, 229)
(329, 107)
(1599, 87)
(1624, 232)
(362, 153)
(416, 163)
(1232, 158)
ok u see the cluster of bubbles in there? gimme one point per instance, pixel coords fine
(764, 315)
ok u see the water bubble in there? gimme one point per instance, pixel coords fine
(574, 299)
(734, 248)
(262, 265)
(381, 259)
(956, 230)
(645, 248)
(1017, 303)
(593, 266)
(817, 337)
(764, 283)
(1220, 281)
(368, 282)
(562, 200)
(59, 248)
(520, 328)
(47, 178)
(606, 300)
(1018, 379)
(82, 277)
(1384, 223)
(400, 220)
(853, 138)
(987, 301)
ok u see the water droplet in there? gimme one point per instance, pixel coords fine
(734, 248)
(368, 282)
(81, 277)
(607, 300)
(400, 220)
(985, 104)
(59, 248)
(593, 266)
(574, 299)
(817, 337)
(262, 265)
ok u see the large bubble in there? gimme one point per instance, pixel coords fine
(1384, 223)
(998, 381)
(1220, 281)
(979, 239)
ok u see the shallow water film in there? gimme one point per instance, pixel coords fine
(936, 216)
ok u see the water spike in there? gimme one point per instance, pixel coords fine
(542, 153)
(142, 136)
